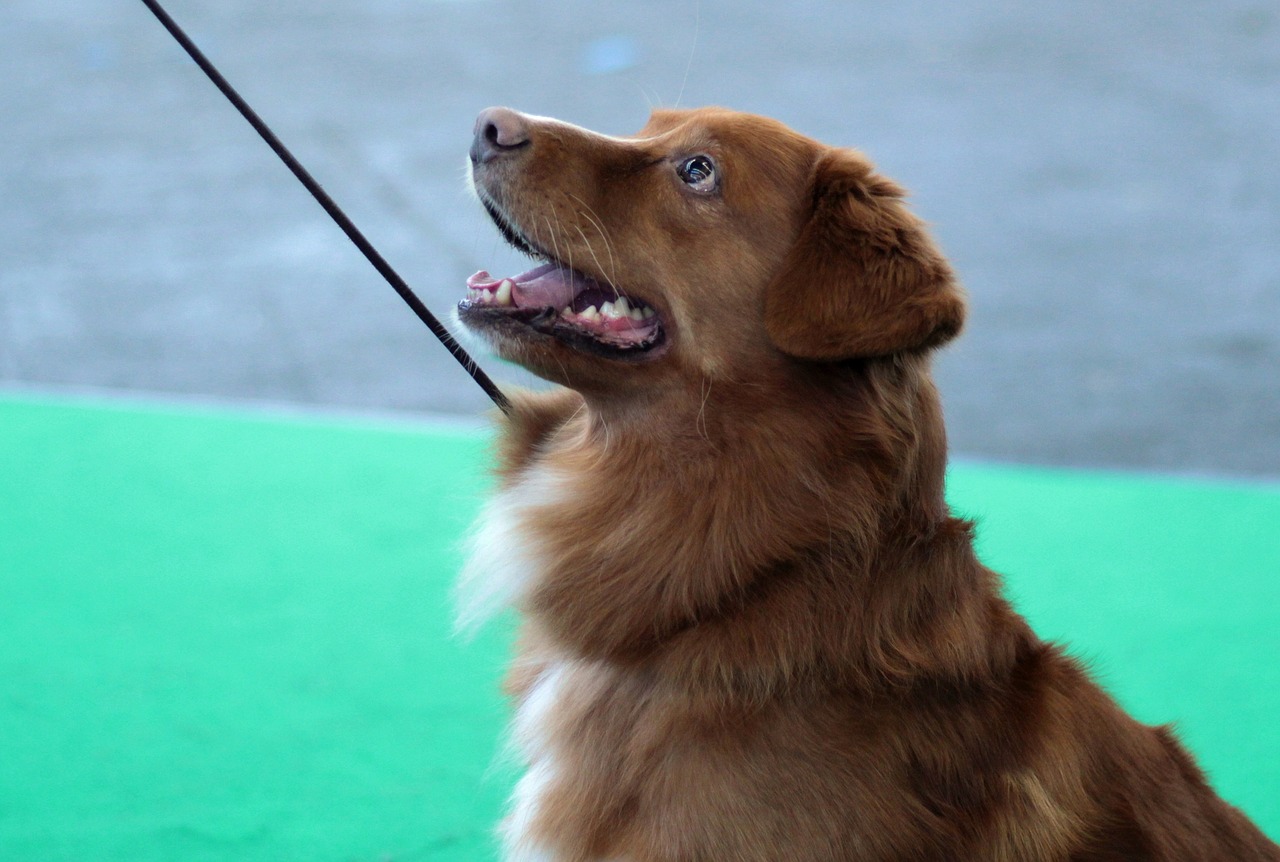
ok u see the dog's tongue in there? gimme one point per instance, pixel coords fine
(548, 286)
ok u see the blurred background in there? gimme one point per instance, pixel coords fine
(1104, 176)
(225, 634)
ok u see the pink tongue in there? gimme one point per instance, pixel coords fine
(549, 285)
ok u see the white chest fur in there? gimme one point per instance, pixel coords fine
(503, 562)
(531, 736)
(503, 559)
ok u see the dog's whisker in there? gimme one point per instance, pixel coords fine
(551, 235)
(567, 245)
(693, 47)
(592, 216)
(701, 421)
(592, 252)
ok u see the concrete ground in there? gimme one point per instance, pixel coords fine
(1104, 176)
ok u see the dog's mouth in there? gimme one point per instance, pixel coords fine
(556, 300)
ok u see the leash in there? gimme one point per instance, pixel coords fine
(335, 212)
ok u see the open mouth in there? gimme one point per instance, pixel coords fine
(563, 303)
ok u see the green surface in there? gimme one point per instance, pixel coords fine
(227, 637)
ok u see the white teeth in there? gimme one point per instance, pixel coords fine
(648, 313)
(566, 312)
(503, 296)
(609, 310)
(636, 314)
(622, 308)
(591, 314)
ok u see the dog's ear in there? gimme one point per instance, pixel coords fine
(863, 279)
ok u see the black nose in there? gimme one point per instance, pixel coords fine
(499, 132)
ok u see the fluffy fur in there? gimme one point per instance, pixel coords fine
(752, 630)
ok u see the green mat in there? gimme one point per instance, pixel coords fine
(227, 637)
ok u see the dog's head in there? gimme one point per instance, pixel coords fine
(711, 243)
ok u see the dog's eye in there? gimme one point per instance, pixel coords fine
(699, 173)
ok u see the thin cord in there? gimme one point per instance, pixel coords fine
(335, 212)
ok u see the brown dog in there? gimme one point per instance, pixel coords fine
(752, 629)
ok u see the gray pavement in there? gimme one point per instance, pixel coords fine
(1104, 175)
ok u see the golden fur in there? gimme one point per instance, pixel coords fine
(752, 630)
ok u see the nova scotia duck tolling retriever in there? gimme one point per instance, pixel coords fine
(751, 629)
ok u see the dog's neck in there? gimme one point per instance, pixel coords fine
(676, 526)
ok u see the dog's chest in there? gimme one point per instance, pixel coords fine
(621, 767)
(505, 561)
(582, 730)
(619, 757)
(531, 734)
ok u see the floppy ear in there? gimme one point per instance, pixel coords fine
(863, 279)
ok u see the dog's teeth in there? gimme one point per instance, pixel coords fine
(566, 312)
(503, 296)
(591, 314)
(636, 314)
(609, 310)
(648, 313)
(622, 308)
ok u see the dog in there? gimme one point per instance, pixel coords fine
(751, 627)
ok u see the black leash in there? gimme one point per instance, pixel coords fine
(335, 212)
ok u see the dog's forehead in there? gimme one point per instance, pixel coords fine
(724, 128)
